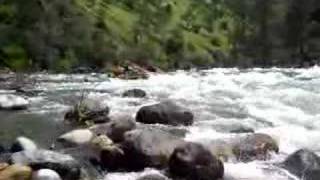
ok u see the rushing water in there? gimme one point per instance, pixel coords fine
(284, 103)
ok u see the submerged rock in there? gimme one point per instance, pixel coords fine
(16, 172)
(254, 147)
(242, 129)
(67, 167)
(77, 137)
(303, 163)
(116, 128)
(243, 148)
(136, 93)
(13, 102)
(165, 113)
(88, 111)
(192, 161)
(46, 174)
(23, 143)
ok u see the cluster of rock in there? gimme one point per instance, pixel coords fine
(26, 161)
(123, 143)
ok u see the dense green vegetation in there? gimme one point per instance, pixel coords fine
(62, 34)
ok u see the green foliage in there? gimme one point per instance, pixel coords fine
(65, 64)
(60, 35)
(15, 57)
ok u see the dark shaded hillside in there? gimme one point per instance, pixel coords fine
(61, 35)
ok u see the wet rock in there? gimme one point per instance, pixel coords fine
(87, 112)
(148, 148)
(304, 164)
(192, 161)
(113, 159)
(102, 142)
(254, 147)
(110, 154)
(13, 102)
(23, 143)
(16, 172)
(242, 129)
(46, 174)
(116, 128)
(67, 167)
(231, 127)
(136, 93)
(165, 113)
(77, 137)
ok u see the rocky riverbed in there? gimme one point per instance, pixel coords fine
(231, 124)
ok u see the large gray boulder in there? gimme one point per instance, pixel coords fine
(192, 161)
(303, 163)
(144, 148)
(166, 112)
(65, 165)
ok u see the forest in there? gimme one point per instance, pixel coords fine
(60, 35)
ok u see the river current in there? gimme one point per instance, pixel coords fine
(283, 103)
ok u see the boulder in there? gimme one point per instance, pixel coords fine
(147, 148)
(77, 137)
(16, 172)
(67, 167)
(303, 163)
(135, 93)
(88, 111)
(113, 159)
(13, 102)
(192, 161)
(46, 174)
(105, 153)
(254, 147)
(116, 128)
(23, 143)
(165, 113)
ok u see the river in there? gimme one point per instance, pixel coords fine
(283, 103)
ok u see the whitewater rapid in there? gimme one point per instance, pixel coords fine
(283, 103)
